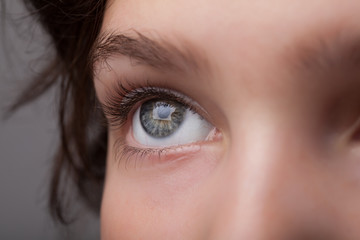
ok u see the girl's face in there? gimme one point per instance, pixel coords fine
(231, 119)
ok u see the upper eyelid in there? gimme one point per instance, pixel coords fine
(122, 100)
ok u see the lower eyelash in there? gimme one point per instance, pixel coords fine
(127, 154)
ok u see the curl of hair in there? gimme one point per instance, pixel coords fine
(79, 163)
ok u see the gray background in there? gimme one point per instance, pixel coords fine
(29, 137)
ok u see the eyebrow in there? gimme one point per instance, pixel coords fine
(159, 54)
(325, 53)
(313, 55)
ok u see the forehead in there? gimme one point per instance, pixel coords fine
(240, 20)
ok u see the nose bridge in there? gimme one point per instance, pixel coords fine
(254, 159)
(263, 161)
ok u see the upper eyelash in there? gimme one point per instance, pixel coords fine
(121, 100)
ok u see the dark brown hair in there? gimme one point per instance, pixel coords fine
(79, 163)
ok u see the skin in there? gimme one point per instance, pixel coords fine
(285, 163)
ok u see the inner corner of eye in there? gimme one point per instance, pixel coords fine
(162, 123)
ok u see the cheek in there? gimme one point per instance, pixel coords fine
(164, 202)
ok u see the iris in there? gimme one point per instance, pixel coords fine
(161, 118)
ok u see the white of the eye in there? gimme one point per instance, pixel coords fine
(192, 129)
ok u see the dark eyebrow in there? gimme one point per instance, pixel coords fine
(159, 54)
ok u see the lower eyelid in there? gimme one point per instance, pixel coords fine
(155, 159)
(133, 155)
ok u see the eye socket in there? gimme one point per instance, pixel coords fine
(165, 123)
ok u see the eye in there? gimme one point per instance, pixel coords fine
(164, 123)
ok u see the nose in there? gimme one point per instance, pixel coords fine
(271, 187)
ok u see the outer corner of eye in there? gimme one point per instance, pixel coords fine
(164, 123)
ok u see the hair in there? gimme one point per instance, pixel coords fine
(79, 163)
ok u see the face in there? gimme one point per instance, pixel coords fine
(231, 119)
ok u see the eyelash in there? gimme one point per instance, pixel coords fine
(122, 100)
(130, 154)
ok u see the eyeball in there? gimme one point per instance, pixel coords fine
(164, 123)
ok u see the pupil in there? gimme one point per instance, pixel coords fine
(161, 118)
(163, 111)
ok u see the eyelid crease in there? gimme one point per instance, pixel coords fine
(122, 99)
